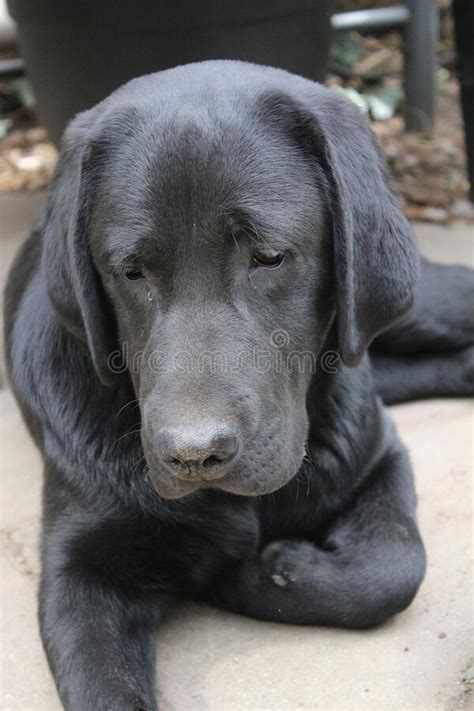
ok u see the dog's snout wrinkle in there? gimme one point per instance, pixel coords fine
(202, 452)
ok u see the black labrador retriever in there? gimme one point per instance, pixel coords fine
(187, 334)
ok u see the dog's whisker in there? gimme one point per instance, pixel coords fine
(127, 434)
(140, 461)
(127, 404)
(235, 240)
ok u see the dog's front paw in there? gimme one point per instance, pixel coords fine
(289, 562)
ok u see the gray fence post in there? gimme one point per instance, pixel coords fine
(421, 35)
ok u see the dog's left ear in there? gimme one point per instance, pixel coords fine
(72, 281)
(376, 258)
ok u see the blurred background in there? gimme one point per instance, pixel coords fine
(397, 61)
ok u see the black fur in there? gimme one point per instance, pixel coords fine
(182, 175)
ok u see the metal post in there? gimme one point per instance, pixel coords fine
(11, 68)
(366, 20)
(464, 27)
(421, 34)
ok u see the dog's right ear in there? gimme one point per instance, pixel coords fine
(72, 281)
(375, 256)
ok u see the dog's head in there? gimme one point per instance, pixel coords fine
(216, 222)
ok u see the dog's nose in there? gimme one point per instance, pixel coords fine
(202, 452)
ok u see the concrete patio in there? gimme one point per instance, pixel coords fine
(212, 661)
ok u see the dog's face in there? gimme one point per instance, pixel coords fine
(217, 263)
(207, 233)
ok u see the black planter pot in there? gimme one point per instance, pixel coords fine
(78, 52)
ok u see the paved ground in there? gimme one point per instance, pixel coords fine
(211, 661)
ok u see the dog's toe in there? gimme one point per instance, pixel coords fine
(288, 561)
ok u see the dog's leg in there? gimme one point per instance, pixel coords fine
(430, 351)
(369, 568)
(100, 644)
(442, 316)
(411, 377)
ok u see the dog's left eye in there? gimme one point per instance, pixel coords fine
(133, 274)
(267, 259)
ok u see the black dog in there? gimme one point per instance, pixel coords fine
(229, 230)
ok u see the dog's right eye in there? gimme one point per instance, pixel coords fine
(133, 274)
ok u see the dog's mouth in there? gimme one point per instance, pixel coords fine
(170, 486)
(244, 466)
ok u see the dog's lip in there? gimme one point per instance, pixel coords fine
(197, 479)
(180, 488)
(170, 486)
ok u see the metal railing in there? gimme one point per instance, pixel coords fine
(418, 20)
